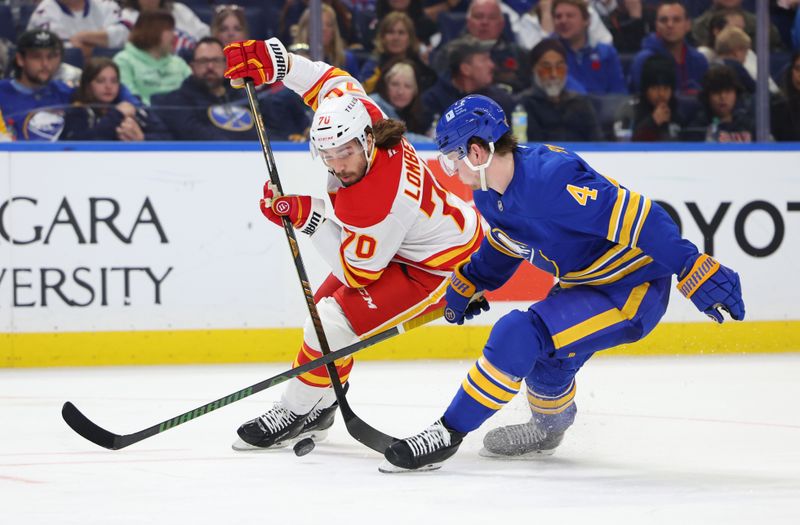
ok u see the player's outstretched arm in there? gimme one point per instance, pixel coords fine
(711, 287)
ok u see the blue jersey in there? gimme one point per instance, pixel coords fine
(17, 103)
(576, 224)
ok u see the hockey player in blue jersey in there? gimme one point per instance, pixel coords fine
(612, 251)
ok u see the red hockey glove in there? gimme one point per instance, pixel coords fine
(263, 61)
(304, 212)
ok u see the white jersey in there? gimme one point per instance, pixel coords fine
(188, 27)
(397, 213)
(97, 15)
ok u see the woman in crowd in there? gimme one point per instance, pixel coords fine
(293, 11)
(147, 64)
(395, 40)
(398, 95)
(424, 26)
(334, 47)
(229, 24)
(188, 26)
(786, 110)
(104, 110)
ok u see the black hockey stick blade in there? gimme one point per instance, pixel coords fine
(91, 431)
(88, 429)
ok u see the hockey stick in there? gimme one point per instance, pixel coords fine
(359, 429)
(104, 438)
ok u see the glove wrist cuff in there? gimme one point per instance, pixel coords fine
(703, 268)
(460, 283)
(314, 219)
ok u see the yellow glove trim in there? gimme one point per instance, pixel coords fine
(704, 267)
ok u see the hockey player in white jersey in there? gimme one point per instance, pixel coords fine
(396, 238)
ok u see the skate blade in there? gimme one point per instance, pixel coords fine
(388, 468)
(536, 454)
(243, 446)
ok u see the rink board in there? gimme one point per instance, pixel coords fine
(158, 253)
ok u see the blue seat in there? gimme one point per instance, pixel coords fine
(778, 62)
(7, 29)
(451, 25)
(73, 56)
(606, 107)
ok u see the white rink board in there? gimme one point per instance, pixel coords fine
(201, 255)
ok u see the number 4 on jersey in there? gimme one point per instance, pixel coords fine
(582, 195)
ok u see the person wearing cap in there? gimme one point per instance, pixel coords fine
(33, 86)
(397, 235)
(555, 113)
(596, 67)
(654, 115)
(470, 70)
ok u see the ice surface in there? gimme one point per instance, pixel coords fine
(707, 439)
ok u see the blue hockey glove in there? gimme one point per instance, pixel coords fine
(460, 297)
(712, 286)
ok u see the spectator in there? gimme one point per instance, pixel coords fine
(395, 40)
(398, 95)
(293, 11)
(725, 116)
(72, 19)
(424, 27)
(554, 113)
(470, 70)
(669, 39)
(596, 68)
(786, 109)
(104, 110)
(630, 22)
(654, 115)
(188, 26)
(147, 64)
(537, 23)
(433, 8)
(206, 107)
(702, 23)
(229, 24)
(334, 47)
(33, 86)
(485, 22)
(732, 47)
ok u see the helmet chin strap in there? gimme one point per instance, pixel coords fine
(482, 168)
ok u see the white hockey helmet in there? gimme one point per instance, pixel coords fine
(339, 120)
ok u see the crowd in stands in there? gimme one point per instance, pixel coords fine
(566, 70)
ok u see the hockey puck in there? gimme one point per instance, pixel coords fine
(303, 447)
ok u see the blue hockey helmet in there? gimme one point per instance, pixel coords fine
(472, 116)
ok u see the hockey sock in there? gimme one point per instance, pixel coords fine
(484, 391)
(319, 376)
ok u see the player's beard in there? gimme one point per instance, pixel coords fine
(351, 176)
(552, 88)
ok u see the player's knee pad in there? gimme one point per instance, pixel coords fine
(517, 341)
(337, 328)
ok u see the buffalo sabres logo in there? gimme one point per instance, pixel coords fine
(44, 125)
(230, 117)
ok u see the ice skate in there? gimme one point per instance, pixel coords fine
(279, 427)
(538, 437)
(425, 451)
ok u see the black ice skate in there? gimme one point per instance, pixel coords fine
(425, 451)
(538, 437)
(279, 427)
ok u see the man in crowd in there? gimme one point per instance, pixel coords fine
(597, 68)
(206, 107)
(556, 114)
(33, 86)
(669, 39)
(702, 23)
(471, 70)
